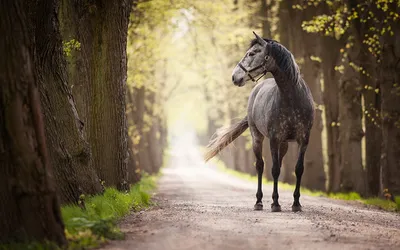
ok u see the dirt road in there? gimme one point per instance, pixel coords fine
(201, 208)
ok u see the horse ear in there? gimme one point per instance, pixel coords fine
(260, 40)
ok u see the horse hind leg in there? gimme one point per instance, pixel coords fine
(257, 149)
(296, 207)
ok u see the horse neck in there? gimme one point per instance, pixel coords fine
(287, 83)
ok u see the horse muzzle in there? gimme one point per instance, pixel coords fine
(238, 81)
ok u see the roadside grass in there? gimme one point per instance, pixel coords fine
(90, 227)
(383, 204)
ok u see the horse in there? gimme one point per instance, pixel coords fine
(279, 108)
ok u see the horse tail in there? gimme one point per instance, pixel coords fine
(223, 137)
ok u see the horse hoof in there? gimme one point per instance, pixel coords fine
(275, 208)
(296, 208)
(258, 206)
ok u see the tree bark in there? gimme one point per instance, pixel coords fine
(350, 129)
(69, 152)
(390, 112)
(330, 59)
(29, 208)
(101, 29)
(373, 133)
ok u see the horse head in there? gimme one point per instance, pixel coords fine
(255, 63)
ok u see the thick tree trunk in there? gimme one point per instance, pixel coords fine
(390, 112)
(350, 129)
(350, 134)
(69, 152)
(101, 29)
(29, 208)
(373, 133)
(330, 58)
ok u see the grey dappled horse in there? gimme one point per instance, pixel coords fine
(280, 108)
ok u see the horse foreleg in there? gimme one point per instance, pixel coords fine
(276, 170)
(257, 149)
(296, 207)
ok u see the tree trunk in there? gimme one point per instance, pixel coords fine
(373, 133)
(265, 12)
(155, 146)
(69, 152)
(350, 134)
(29, 208)
(101, 29)
(141, 149)
(350, 129)
(330, 59)
(390, 112)
(133, 163)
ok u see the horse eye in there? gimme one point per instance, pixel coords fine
(251, 53)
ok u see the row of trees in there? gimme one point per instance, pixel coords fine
(348, 52)
(69, 126)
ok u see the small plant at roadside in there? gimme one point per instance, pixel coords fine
(91, 226)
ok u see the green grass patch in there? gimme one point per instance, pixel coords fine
(89, 227)
(384, 204)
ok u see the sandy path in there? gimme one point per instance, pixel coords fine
(201, 208)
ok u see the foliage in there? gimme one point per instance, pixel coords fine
(371, 22)
(69, 46)
(89, 227)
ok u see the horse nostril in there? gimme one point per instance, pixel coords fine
(233, 78)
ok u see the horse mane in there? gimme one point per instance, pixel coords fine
(284, 59)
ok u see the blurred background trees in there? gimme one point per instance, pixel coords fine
(115, 80)
(340, 47)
